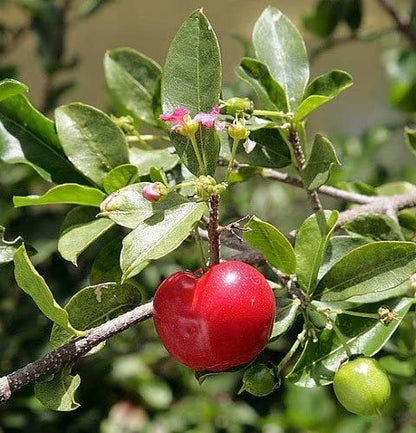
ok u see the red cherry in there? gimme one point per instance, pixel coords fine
(218, 321)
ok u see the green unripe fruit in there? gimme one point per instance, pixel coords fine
(362, 386)
(258, 380)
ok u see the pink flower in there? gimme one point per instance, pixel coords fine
(185, 125)
(208, 119)
(154, 192)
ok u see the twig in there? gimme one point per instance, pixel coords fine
(72, 350)
(213, 233)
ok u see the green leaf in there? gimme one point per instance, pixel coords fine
(286, 312)
(337, 248)
(279, 45)
(79, 230)
(144, 160)
(320, 360)
(311, 242)
(127, 207)
(58, 393)
(132, 79)
(274, 246)
(192, 79)
(34, 285)
(92, 141)
(321, 90)
(269, 91)
(106, 265)
(410, 139)
(353, 13)
(28, 137)
(320, 161)
(70, 193)
(93, 306)
(9, 87)
(158, 235)
(119, 177)
(368, 270)
(323, 20)
(270, 151)
(377, 227)
(8, 248)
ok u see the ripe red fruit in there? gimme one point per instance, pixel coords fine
(218, 321)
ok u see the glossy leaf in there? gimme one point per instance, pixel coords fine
(320, 161)
(320, 360)
(269, 92)
(79, 230)
(377, 227)
(70, 193)
(127, 207)
(337, 248)
(29, 280)
(410, 139)
(321, 90)
(368, 270)
(120, 177)
(144, 160)
(58, 393)
(311, 242)
(9, 87)
(92, 141)
(158, 235)
(279, 45)
(93, 306)
(192, 79)
(270, 151)
(106, 265)
(274, 246)
(132, 79)
(28, 137)
(287, 310)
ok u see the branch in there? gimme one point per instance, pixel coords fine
(403, 26)
(72, 351)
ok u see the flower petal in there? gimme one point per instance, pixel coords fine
(249, 145)
(176, 116)
(207, 119)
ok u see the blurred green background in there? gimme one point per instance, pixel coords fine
(133, 385)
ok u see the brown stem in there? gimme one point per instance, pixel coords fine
(72, 351)
(213, 233)
(300, 164)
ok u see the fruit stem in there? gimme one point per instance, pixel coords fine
(300, 338)
(341, 338)
(213, 234)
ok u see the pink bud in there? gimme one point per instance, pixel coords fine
(154, 192)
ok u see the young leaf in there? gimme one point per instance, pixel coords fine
(94, 305)
(34, 285)
(119, 177)
(274, 246)
(311, 242)
(91, 140)
(368, 270)
(132, 79)
(70, 193)
(127, 207)
(58, 393)
(79, 230)
(320, 161)
(377, 227)
(28, 137)
(158, 235)
(9, 87)
(192, 79)
(144, 160)
(270, 151)
(321, 90)
(279, 45)
(320, 360)
(269, 91)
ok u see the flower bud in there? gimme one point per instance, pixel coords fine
(238, 131)
(155, 192)
(236, 105)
